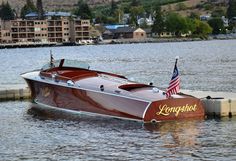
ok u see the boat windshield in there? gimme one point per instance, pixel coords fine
(66, 63)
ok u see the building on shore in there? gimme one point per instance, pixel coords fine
(57, 27)
(124, 33)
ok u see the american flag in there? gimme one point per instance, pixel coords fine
(174, 85)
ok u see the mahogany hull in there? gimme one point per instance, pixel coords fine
(115, 105)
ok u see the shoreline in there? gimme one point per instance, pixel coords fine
(120, 41)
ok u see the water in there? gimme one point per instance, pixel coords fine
(204, 65)
(29, 134)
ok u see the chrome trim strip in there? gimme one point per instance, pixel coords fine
(83, 112)
(76, 87)
(144, 113)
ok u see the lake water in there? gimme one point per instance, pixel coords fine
(28, 134)
(203, 65)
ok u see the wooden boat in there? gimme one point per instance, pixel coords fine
(70, 85)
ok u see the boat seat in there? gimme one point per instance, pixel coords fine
(129, 87)
(85, 75)
(71, 74)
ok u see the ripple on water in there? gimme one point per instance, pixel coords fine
(29, 134)
(203, 65)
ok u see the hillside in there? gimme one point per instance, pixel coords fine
(54, 4)
(184, 7)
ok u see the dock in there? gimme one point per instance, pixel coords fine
(14, 92)
(29, 45)
(217, 104)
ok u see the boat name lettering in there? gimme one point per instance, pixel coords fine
(165, 110)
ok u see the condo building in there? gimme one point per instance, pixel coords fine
(57, 27)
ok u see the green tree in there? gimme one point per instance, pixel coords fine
(134, 13)
(202, 28)
(40, 10)
(6, 12)
(135, 3)
(231, 11)
(217, 25)
(114, 7)
(119, 13)
(28, 8)
(83, 10)
(159, 24)
(177, 24)
(191, 26)
(180, 6)
(218, 13)
(194, 15)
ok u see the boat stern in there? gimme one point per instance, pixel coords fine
(174, 109)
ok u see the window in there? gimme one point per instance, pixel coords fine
(37, 29)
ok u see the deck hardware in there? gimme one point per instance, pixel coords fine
(155, 90)
(154, 121)
(70, 83)
(117, 91)
(102, 87)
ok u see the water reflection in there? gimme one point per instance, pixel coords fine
(177, 133)
(171, 134)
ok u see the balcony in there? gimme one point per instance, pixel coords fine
(14, 30)
(51, 35)
(14, 36)
(85, 28)
(30, 23)
(78, 28)
(51, 29)
(22, 30)
(22, 24)
(58, 35)
(58, 29)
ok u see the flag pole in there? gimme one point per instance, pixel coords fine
(174, 82)
(176, 60)
(51, 58)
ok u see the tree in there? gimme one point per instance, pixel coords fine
(135, 3)
(83, 10)
(176, 23)
(218, 13)
(194, 15)
(6, 12)
(202, 28)
(40, 9)
(134, 13)
(191, 26)
(114, 7)
(180, 6)
(159, 24)
(231, 11)
(217, 25)
(119, 13)
(28, 8)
